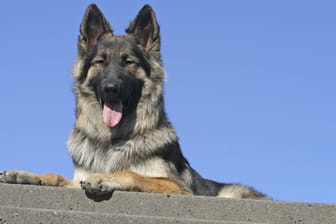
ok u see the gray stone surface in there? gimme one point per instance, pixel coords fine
(36, 204)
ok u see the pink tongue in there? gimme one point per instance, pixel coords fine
(112, 115)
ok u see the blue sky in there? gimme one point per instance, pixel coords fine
(251, 88)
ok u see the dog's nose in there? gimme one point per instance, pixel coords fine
(111, 89)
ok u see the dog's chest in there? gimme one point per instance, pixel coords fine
(98, 159)
(89, 158)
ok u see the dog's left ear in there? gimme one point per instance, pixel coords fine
(92, 27)
(146, 30)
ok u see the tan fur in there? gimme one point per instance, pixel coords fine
(122, 180)
(23, 177)
(131, 181)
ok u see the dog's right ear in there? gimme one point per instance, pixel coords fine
(92, 27)
(146, 30)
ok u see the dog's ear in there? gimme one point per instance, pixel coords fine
(146, 30)
(92, 27)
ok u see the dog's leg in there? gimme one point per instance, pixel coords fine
(102, 183)
(23, 177)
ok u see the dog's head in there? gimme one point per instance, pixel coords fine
(118, 71)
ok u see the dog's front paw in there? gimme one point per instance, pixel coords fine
(8, 177)
(102, 184)
(19, 177)
(93, 184)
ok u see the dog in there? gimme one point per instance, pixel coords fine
(122, 138)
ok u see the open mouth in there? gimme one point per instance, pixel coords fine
(114, 101)
(113, 112)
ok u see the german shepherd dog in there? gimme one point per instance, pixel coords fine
(122, 138)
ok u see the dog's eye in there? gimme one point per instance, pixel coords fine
(99, 61)
(129, 61)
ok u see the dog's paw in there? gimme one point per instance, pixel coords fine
(8, 177)
(101, 184)
(18, 177)
(93, 184)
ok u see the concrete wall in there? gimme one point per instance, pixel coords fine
(36, 204)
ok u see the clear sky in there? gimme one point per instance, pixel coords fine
(251, 88)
